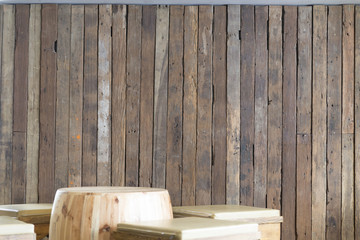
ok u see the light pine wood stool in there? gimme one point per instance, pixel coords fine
(34, 213)
(12, 229)
(191, 228)
(269, 220)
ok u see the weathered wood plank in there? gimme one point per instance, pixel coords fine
(118, 98)
(89, 118)
(190, 107)
(233, 106)
(175, 108)
(76, 95)
(219, 107)
(247, 101)
(47, 102)
(261, 103)
(18, 168)
(204, 130)
(147, 97)
(32, 132)
(160, 96)
(357, 122)
(333, 207)
(104, 97)
(275, 108)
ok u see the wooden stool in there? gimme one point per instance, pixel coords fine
(12, 229)
(268, 219)
(37, 214)
(186, 229)
(94, 212)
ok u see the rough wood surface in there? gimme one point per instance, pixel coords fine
(357, 123)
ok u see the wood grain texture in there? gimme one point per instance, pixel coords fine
(133, 65)
(32, 131)
(104, 97)
(233, 106)
(175, 107)
(219, 107)
(261, 103)
(47, 103)
(205, 98)
(275, 108)
(190, 106)
(118, 113)
(160, 96)
(147, 98)
(357, 123)
(333, 207)
(2, 161)
(89, 116)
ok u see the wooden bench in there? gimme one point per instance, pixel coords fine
(12, 229)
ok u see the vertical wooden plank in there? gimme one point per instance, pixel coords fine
(47, 102)
(89, 118)
(357, 122)
(62, 96)
(22, 13)
(204, 121)
(104, 97)
(261, 103)
(133, 95)
(118, 98)
(175, 108)
(275, 108)
(348, 123)
(146, 89)
(333, 207)
(32, 132)
(76, 95)
(219, 107)
(233, 106)
(160, 96)
(247, 101)
(288, 198)
(303, 124)
(190, 107)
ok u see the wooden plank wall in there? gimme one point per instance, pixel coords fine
(257, 105)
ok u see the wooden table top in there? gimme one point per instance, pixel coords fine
(17, 210)
(9, 226)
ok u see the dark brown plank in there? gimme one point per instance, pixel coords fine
(357, 122)
(47, 102)
(288, 198)
(190, 96)
(219, 107)
(133, 95)
(22, 14)
(118, 98)
(174, 118)
(89, 118)
(146, 87)
(204, 130)
(275, 108)
(333, 207)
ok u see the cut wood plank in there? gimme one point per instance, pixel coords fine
(233, 106)
(190, 107)
(160, 96)
(319, 122)
(89, 118)
(147, 97)
(275, 108)
(76, 95)
(247, 102)
(333, 207)
(18, 168)
(104, 97)
(219, 107)
(62, 96)
(32, 132)
(47, 102)
(133, 66)
(261, 103)
(175, 108)
(118, 98)
(288, 197)
(205, 98)
(357, 123)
